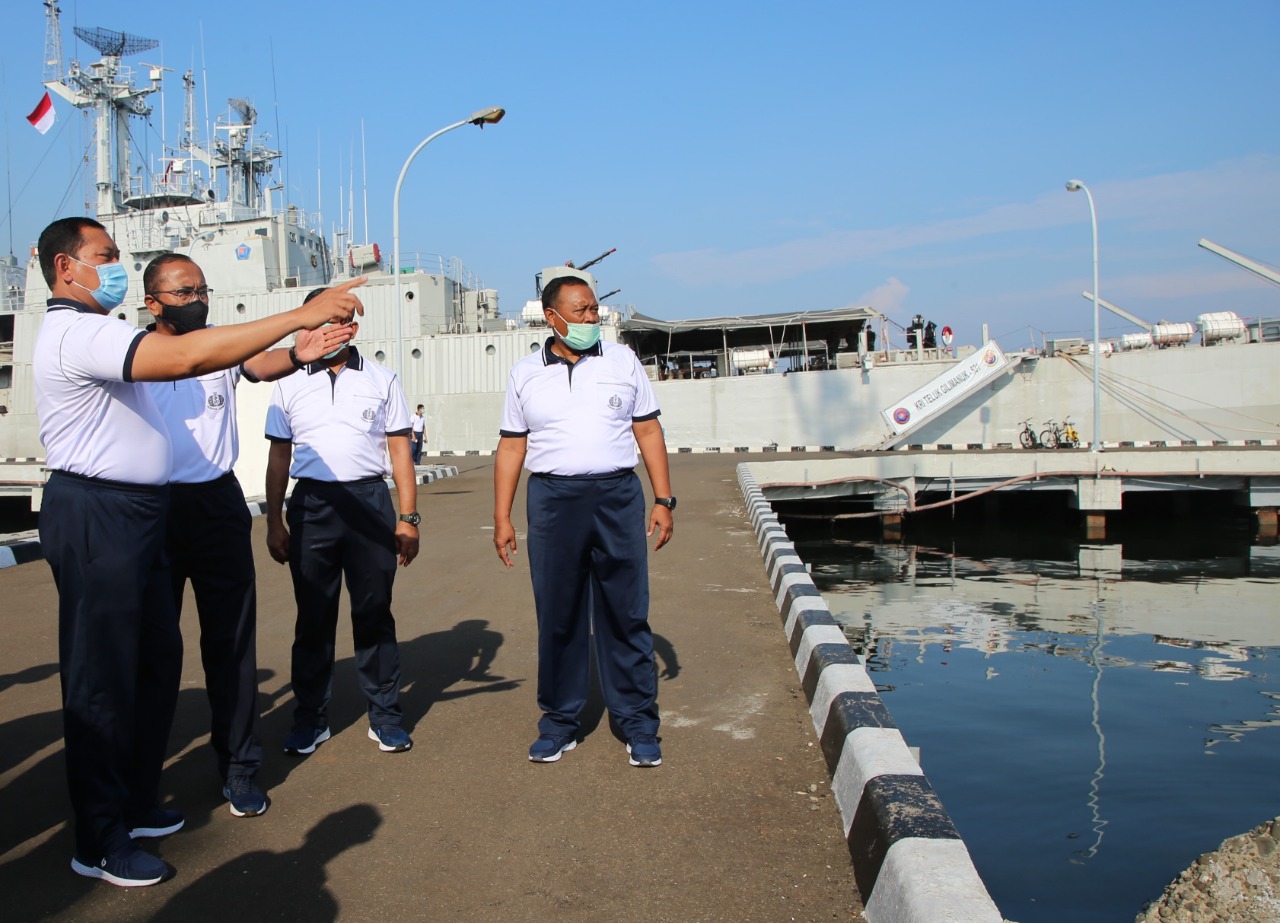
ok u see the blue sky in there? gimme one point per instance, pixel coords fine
(751, 157)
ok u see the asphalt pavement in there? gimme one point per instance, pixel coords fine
(736, 825)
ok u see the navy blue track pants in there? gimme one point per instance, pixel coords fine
(590, 568)
(336, 530)
(210, 543)
(120, 648)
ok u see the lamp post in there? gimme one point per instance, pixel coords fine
(490, 116)
(1074, 185)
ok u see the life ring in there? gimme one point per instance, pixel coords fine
(314, 261)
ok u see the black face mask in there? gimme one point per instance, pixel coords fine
(184, 318)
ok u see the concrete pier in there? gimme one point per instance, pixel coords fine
(738, 824)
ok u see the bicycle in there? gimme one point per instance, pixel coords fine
(1049, 436)
(1069, 437)
(1028, 436)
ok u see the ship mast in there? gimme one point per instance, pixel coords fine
(107, 89)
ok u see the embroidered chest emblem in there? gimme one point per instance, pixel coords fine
(216, 401)
(368, 415)
(615, 402)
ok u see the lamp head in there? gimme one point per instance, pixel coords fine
(1074, 185)
(491, 116)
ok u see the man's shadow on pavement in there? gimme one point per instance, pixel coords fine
(431, 666)
(264, 885)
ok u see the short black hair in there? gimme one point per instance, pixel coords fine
(160, 262)
(551, 291)
(63, 236)
(422, 407)
(314, 293)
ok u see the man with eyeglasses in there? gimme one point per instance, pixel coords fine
(575, 412)
(209, 535)
(102, 523)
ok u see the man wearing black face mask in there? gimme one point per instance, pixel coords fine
(208, 537)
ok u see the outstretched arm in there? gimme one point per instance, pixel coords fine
(506, 478)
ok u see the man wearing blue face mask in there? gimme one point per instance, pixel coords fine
(208, 538)
(574, 413)
(102, 523)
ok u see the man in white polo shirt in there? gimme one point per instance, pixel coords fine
(333, 427)
(209, 534)
(102, 525)
(574, 413)
(419, 434)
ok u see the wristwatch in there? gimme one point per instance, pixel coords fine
(293, 358)
(668, 502)
(412, 519)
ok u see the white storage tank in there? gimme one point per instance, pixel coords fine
(365, 256)
(1135, 341)
(752, 358)
(1165, 334)
(1220, 325)
(533, 315)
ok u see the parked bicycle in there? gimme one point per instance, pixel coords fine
(1059, 437)
(1028, 436)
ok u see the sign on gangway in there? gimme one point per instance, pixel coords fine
(958, 380)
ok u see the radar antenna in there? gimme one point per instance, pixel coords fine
(114, 44)
(244, 109)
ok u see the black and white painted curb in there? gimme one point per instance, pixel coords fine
(909, 862)
(26, 548)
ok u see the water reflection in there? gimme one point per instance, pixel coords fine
(1088, 713)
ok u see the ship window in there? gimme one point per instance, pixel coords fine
(534, 347)
(489, 350)
(137, 267)
(380, 356)
(293, 238)
(240, 308)
(408, 296)
(417, 354)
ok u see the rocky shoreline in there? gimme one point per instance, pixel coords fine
(1237, 883)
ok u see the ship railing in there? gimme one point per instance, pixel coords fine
(154, 240)
(435, 264)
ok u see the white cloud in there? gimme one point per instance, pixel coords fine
(887, 298)
(1232, 193)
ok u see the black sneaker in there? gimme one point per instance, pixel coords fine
(131, 868)
(154, 823)
(247, 800)
(305, 740)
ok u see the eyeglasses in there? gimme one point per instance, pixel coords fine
(187, 294)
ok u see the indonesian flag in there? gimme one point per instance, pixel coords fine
(43, 115)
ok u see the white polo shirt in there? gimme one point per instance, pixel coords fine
(94, 420)
(578, 416)
(339, 424)
(200, 414)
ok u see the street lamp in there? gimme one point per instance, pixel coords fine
(491, 116)
(1074, 185)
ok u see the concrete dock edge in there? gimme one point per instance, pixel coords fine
(909, 861)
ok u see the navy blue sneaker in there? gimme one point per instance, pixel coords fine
(153, 823)
(391, 738)
(247, 800)
(305, 739)
(131, 868)
(549, 747)
(643, 750)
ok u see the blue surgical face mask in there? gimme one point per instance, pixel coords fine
(578, 337)
(113, 284)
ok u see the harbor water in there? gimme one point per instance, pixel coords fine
(1093, 716)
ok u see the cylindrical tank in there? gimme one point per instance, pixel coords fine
(487, 300)
(1164, 334)
(532, 314)
(1135, 341)
(1220, 325)
(751, 358)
